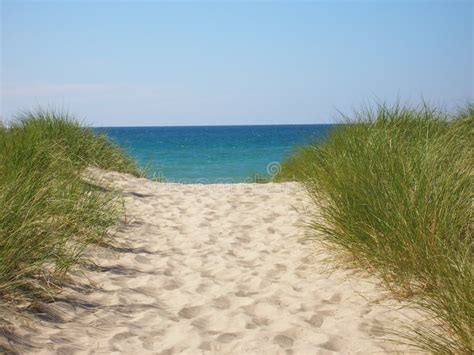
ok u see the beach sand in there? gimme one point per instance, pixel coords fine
(211, 269)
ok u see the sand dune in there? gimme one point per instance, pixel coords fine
(210, 269)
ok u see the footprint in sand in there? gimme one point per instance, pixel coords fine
(227, 337)
(189, 312)
(284, 341)
(221, 303)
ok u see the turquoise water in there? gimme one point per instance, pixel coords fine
(212, 154)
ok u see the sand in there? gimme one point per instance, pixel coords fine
(211, 269)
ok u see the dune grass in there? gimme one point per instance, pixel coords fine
(394, 187)
(49, 214)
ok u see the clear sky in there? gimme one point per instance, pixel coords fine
(126, 63)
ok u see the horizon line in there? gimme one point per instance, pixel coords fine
(223, 125)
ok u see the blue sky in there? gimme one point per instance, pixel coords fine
(192, 63)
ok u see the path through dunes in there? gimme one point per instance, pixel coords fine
(210, 269)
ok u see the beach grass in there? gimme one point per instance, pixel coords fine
(49, 213)
(394, 190)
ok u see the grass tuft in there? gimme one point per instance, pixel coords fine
(48, 213)
(395, 190)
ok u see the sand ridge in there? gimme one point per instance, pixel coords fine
(211, 269)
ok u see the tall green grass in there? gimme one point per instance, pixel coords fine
(48, 214)
(394, 188)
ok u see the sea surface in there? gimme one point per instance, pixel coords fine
(213, 154)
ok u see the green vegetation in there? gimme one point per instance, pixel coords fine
(49, 214)
(394, 190)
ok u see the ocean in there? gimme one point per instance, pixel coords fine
(213, 154)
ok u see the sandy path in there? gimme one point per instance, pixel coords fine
(212, 269)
